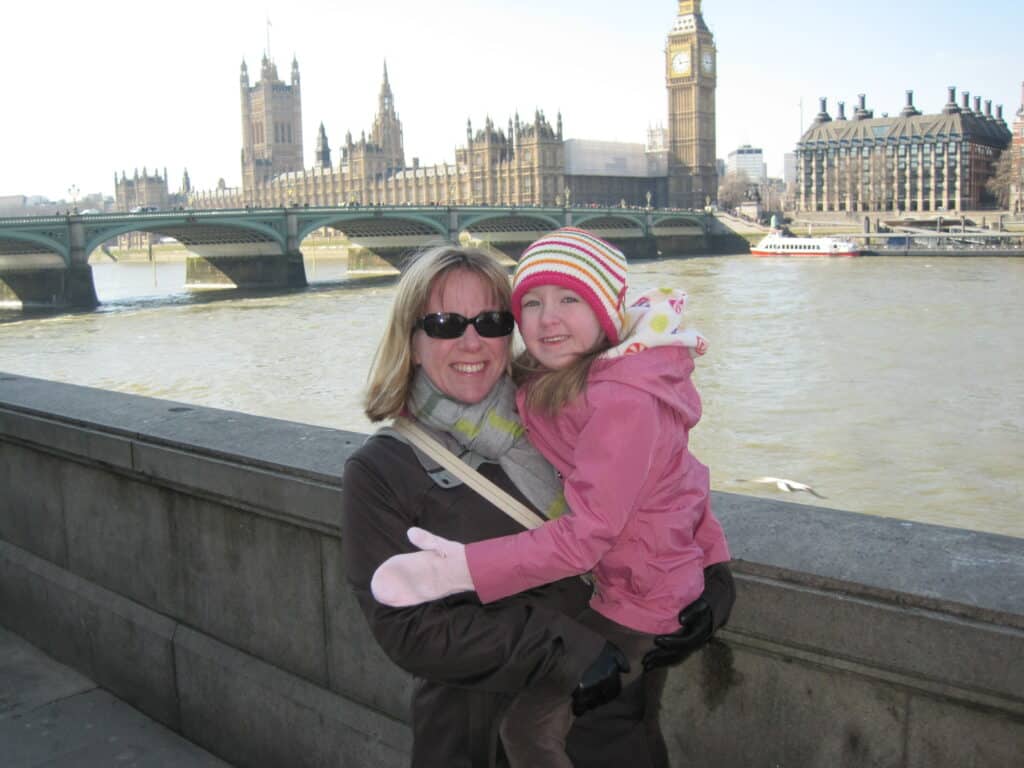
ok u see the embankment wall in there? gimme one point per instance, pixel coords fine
(188, 559)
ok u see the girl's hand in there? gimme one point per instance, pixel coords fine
(438, 570)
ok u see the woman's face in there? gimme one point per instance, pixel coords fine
(466, 368)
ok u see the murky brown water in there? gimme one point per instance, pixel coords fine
(893, 386)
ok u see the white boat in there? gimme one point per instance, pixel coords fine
(777, 244)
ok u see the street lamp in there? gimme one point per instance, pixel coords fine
(73, 194)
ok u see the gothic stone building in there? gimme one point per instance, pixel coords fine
(912, 162)
(524, 163)
(1017, 160)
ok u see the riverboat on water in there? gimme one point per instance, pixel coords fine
(778, 244)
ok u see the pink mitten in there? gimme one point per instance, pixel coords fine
(437, 571)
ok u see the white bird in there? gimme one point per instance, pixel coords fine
(788, 486)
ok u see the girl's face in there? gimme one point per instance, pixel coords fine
(557, 326)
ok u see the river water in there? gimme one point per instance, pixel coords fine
(894, 386)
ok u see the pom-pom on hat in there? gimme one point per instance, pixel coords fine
(575, 259)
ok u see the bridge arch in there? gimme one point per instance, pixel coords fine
(608, 219)
(677, 218)
(186, 230)
(362, 223)
(42, 244)
(513, 219)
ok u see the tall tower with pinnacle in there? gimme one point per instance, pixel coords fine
(387, 128)
(691, 68)
(271, 125)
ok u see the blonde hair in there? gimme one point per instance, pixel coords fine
(549, 390)
(392, 370)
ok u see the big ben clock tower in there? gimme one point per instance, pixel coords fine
(690, 71)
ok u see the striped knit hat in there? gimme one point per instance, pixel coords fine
(574, 259)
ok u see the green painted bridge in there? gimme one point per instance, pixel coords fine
(44, 261)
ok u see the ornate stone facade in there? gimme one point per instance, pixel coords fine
(1017, 160)
(522, 164)
(912, 162)
(271, 125)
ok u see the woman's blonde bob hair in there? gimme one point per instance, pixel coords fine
(392, 370)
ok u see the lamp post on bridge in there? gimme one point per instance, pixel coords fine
(73, 194)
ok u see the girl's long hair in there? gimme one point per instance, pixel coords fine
(547, 390)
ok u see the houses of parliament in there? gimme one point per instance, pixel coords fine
(524, 163)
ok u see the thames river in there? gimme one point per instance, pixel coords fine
(894, 386)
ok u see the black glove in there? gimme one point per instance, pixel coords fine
(698, 626)
(600, 682)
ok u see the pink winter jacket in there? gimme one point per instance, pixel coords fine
(640, 502)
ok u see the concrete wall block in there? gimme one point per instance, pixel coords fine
(73, 439)
(123, 536)
(279, 494)
(31, 501)
(253, 583)
(114, 642)
(945, 734)
(238, 576)
(255, 715)
(733, 707)
(35, 603)
(357, 667)
(916, 643)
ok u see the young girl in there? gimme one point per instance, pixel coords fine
(612, 412)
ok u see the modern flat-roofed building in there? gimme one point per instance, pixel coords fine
(911, 162)
(748, 160)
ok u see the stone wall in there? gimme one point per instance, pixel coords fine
(188, 559)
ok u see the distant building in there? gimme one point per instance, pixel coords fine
(271, 125)
(748, 160)
(607, 173)
(528, 162)
(789, 169)
(1017, 148)
(912, 162)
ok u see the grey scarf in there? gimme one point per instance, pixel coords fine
(489, 431)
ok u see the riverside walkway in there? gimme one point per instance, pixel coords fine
(52, 716)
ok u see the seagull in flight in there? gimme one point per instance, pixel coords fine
(788, 486)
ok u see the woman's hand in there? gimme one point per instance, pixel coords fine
(699, 620)
(438, 570)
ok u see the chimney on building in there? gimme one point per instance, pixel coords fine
(965, 102)
(823, 115)
(977, 106)
(842, 111)
(908, 108)
(951, 108)
(862, 112)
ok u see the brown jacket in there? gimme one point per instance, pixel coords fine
(469, 659)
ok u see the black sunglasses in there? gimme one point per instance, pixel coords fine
(449, 325)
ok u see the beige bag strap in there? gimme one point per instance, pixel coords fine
(420, 438)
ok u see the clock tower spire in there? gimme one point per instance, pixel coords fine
(690, 78)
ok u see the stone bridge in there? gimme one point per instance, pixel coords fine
(44, 261)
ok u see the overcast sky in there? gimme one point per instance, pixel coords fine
(97, 88)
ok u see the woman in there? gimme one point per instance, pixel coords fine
(443, 362)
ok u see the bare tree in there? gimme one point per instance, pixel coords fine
(733, 189)
(1002, 180)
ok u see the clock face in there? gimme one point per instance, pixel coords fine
(708, 62)
(681, 63)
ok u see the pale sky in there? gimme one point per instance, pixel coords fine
(94, 88)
